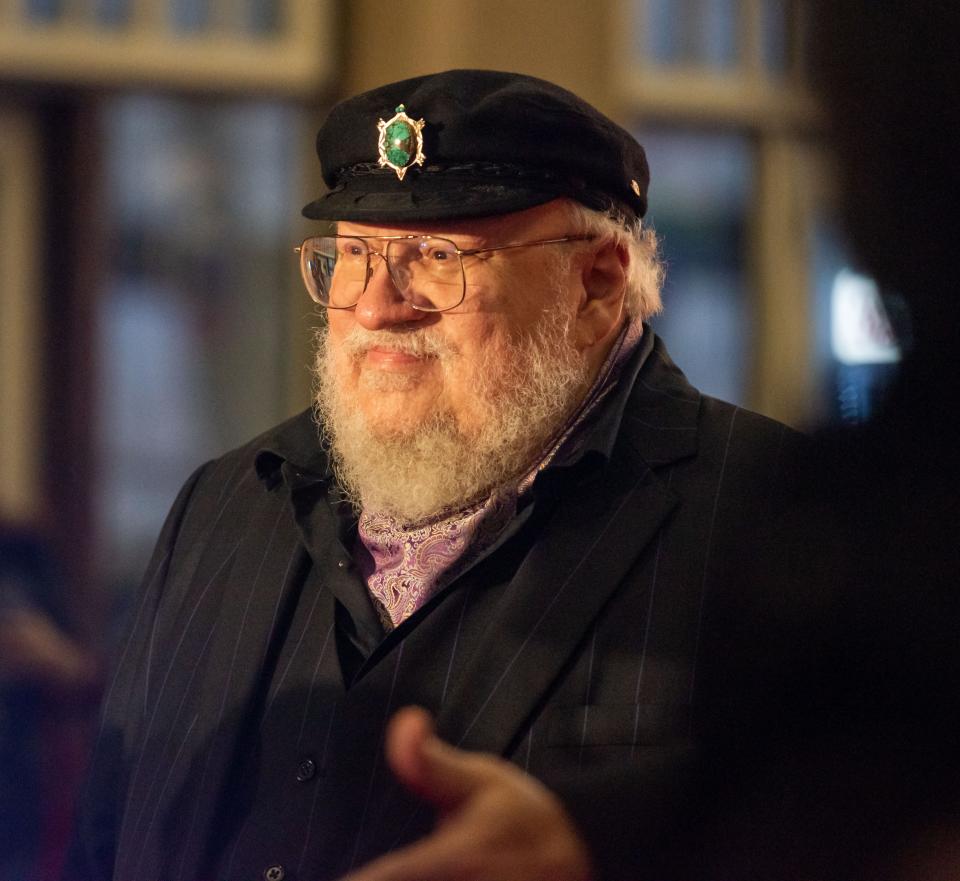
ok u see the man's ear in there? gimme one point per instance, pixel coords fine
(604, 277)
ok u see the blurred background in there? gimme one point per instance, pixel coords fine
(154, 156)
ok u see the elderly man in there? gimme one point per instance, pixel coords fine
(508, 506)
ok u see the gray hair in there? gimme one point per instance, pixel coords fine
(646, 270)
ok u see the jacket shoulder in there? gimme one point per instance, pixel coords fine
(669, 420)
(746, 426)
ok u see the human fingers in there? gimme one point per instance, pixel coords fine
(425, 764)
(438, 857)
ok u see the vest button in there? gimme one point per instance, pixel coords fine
(274, 873)
(306, 770)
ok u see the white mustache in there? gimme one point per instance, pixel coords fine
(420, 343)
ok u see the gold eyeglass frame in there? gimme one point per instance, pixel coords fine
(460, 252)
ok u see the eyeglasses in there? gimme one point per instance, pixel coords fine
(426, 270)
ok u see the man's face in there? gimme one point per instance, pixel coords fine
(507, 294)
(426, 410)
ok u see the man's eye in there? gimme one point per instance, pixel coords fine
(438, 255)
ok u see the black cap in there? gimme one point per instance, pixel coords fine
(489, 143)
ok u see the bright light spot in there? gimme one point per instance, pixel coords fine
(860, 331)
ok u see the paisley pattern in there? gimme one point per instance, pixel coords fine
(409, 564)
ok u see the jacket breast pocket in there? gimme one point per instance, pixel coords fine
(635, 725)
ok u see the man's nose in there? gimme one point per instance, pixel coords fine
(381, 304)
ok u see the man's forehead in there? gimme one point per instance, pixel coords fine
(480, 229)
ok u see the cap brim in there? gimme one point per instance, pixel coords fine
(377, 197)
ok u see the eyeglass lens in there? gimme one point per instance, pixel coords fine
(426, 270)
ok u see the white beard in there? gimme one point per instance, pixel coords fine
(524, 392)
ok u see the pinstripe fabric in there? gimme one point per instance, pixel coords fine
(576, 646)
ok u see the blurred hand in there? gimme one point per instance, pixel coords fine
(34, 650)
(496, 822)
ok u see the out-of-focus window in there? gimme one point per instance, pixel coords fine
(700, 33)
(193, 321)
(700, 197)
(778, 53)
(756, 286)
(238, 46)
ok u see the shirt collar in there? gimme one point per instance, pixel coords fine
(293, 452)
(599, 433)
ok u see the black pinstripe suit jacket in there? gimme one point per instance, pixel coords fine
(577, 650)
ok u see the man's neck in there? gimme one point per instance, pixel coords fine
(597, 354)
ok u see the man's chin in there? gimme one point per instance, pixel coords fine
(399, 407)
(397, 421)
(381, 382)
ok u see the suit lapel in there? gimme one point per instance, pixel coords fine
(600, 527)
(586, 550)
